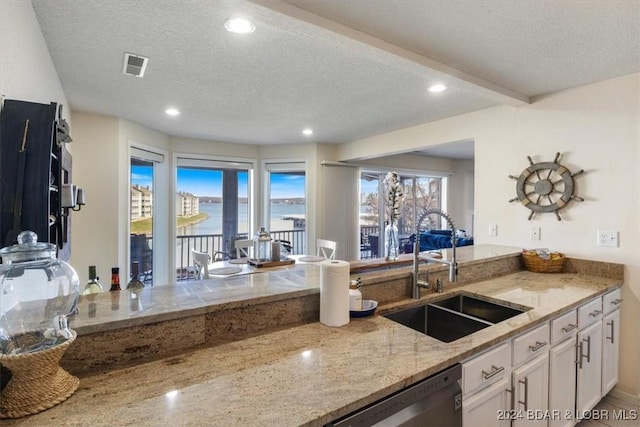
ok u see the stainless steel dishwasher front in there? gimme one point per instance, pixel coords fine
(434, 401)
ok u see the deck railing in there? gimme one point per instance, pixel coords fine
(213, 245)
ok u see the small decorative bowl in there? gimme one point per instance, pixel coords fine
(368, 307)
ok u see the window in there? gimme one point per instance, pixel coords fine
(213, 209)
(286, 210)
(420, 192)
(143, 212)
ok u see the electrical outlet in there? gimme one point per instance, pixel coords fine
(607, 238)
(535, 233)
(493, 230)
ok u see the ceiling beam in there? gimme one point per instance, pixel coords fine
(462, 79)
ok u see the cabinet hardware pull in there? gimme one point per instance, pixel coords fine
(538, 346)
(525, 381)
(570, 327)
(512, 392)
(588, 356)
(611, 338)
(616, 301)
(494, 371)
(594, 313)
(579, 355)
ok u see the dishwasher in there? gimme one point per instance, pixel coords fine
(434, 401)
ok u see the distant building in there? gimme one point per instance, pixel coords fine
(187, 204)
(141, 202)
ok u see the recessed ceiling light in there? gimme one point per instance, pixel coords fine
(172, 112)
(239, 25)
(307, 132)
(437, 88)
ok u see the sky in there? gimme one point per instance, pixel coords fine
(207, 182)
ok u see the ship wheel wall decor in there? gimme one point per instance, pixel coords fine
(545, 187)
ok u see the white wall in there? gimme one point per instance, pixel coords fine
(26, 70)
(595, 127)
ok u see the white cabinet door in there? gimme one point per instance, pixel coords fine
(562, 383)
(531, 391)
(610, 346)
(589, 372)
(489, 407)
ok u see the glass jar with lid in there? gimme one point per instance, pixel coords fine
(262, 246)
(37, 293)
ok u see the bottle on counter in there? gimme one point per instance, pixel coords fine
(355, 296)
(93, 286)
(115, 279)
(135, 285)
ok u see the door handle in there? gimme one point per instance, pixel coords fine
(582, 355)
(494, 371)
(525, 382)
(611, 338)
(537, 346)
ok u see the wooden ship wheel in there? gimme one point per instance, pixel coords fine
(545, 187)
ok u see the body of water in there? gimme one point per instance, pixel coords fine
(213, 224)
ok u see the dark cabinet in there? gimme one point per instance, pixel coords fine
(33, 167)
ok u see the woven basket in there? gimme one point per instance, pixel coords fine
(37, 382)
(540, 265)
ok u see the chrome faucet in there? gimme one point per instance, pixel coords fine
(452, 263)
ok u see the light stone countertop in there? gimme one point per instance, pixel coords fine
(306, 375)
(115, 310)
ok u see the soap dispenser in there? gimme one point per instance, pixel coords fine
(355, 296)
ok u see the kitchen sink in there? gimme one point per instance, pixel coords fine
(454, 317)
(481, 309)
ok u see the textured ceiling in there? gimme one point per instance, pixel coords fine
(346, 69)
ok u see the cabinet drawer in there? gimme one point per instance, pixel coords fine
(487, 368)
(589, 313)
(564, 326)
(530, 344)
(611, 301)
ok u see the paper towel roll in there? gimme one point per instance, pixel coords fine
(334, 292)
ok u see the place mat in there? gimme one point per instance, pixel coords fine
(312, 258)
(225, 270)
(238, 261)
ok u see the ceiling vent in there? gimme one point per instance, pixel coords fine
(134, 65)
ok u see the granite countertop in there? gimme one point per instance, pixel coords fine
(306, 375)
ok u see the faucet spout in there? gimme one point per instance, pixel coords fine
(452, 263)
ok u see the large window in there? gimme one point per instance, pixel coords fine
(420, 192)
(143, 212)
(286, 210)
(212, 208)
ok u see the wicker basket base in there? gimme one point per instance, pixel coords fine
(37, 382)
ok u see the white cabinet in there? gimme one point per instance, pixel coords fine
(485, 385)
(531, 391)
(589, 372)
(562, 382)
(562, 369)
(488, 407)
(610, 340)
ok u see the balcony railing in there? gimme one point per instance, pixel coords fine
(213, 244)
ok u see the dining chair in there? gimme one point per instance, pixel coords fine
(326, 248)
(201, 264)
(242, 248)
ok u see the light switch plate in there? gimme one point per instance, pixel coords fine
(607, 238)
(493, 230)
(535, 233)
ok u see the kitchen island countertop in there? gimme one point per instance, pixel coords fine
(306, 375)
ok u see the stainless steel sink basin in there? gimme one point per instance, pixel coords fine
(481, 309)
(454, 317)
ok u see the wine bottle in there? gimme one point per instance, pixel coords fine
(93, 286)
(115, 279)
(135, 285)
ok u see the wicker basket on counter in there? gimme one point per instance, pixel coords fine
(536, 264)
